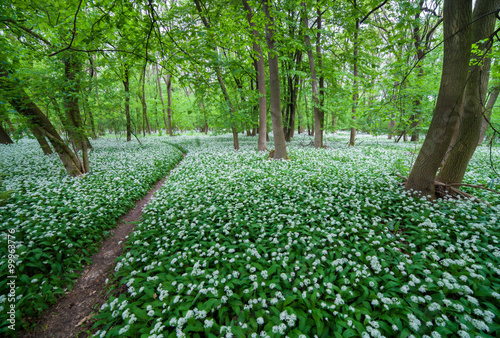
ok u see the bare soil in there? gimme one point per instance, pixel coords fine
(74, 311)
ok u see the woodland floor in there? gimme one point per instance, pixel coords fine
(72, 315)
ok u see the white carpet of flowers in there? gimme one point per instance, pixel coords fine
(327, 244)
(57, 222)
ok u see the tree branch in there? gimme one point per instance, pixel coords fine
(73, 33)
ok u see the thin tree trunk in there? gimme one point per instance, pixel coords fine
(457, 46)
(471, 116)
(41, 140)
(355, 88)
(274, 85)
(223, 88)
(126, 85)
(168, 82)
(261, 80)
(321, 82)
(487, 114)
(318, 136)
(158, 80)
(145, 120)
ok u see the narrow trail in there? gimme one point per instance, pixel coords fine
(74, 310)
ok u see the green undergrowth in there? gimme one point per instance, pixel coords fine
(327, 244)
(55, 223)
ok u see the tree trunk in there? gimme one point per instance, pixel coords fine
(72, 109)
(471, 116)
(4, 137)
(261, 80)
(126, 85)
(321, 82)
(274, 84)
(145, 121)
(318, 136)
(355, 80)
(223, 88)
(21, 102)
(41, 140)
(487, 114)
(158, 80)
(457, 46)
(168, 82)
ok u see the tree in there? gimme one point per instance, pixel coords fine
(457, 51)
(472, 107)
(261, 79)
(274, 85)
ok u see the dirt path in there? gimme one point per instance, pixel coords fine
(74, 310)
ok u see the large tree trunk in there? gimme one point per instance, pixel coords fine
(72, 108)
(21, 102)
(274, 85)
(471, 116)
(261, 80)
(487, 114)
(457, 46)
(126, 85)
(4, 137)
(318, 136)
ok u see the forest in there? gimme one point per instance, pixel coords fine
(250, 168)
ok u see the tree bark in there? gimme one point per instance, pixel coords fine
(21, 102)
(168, 82)
(223, 88)
(41, 140)
(355, 89)
(4, 137)
(126, 85)
(280, 151)
(146, 127)
(487, 114)
(72, 108)
(457, 46)
(471, 116)
(318, 136)
(261, 80)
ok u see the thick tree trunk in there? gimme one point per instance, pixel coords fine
(487, 114)
(261, 80)
(471, 116)
(318, 136)
(4, 137)
(72, 108)
(457, 46)
(21, 102)
(126, 85)
(274, 84)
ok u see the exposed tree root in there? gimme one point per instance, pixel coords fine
(447, 189)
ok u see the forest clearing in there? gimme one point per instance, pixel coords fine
(328, 243)
(249, 168)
